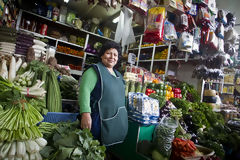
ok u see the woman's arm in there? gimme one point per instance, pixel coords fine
(88, 82)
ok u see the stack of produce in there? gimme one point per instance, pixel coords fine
(39, 48)
(161, 55)
(7, 48)
(19, 134)
(69, 87)
(8, 34)
(68, 50)
(80, 41)
(24, 41)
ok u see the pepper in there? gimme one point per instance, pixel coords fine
(149, 91)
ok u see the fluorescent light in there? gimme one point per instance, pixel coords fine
(66, 1)
(115, 20)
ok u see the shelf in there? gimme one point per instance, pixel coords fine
(69, 55)
(225, 83)
(76, 72)
(91, 54)
(37, 34)
(76, 45)
(67, 25)
(213, 82)
(69, 100)
(145, 60)
(228, 93)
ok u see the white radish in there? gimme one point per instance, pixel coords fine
(26, 156)
(24, 65)
(21, 149)
(12, 69)
(41, 142)
(13, 150)
(4, 70)
(38, 156)
(18, 64)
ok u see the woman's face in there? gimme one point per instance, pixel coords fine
(110, 58)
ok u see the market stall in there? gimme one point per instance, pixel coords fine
(46, 46)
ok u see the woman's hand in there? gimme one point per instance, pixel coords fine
(86, 121)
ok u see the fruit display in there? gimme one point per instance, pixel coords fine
(75, 67)
(151, 44)
(161, 55)
(68, 50)
(159, 71)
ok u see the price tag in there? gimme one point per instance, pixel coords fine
(131, 58)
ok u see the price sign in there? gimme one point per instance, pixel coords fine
(131, 58)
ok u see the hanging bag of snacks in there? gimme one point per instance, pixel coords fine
(155, 25)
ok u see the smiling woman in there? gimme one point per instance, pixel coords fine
(101, 98)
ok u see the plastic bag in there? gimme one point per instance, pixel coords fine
(164, 135)
(193, 10)
(221, 17)
(220, 45)
(220, 30)
(155, 25)
(185, 42)
(196, 39)
(169, 31)
(141, 6)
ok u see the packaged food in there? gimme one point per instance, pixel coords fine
(169, 32)
(155, 25)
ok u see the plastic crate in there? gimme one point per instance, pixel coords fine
(55, 117)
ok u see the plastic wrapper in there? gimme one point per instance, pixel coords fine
(220, 45)
(187, 4)
(196, 39)
(212, 6)
(231, 35)
(231, 19)
(155, 25)
(142, 108)
(220, 30)
(193, 10)
(141, 6)
(169, 31)
(203, 16)
(164, 135)
(212, 40)
(185, 42)
(221, 17)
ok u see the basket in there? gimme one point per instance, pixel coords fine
(206, 151)
(55, 117)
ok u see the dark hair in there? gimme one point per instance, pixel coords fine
(108, 45)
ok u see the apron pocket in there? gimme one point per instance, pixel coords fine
(114, 129)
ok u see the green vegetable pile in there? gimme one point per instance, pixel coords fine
(53, 99)
(68, 142)
(18, 118)
(209, 126)
(68, 87)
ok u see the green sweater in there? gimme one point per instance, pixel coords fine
(88, 83)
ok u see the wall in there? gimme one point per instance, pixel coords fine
(184, 73)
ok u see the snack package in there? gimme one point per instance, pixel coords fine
(169, 31)
(155, 25)
(212, 40)
(212, 6)
(185, 42)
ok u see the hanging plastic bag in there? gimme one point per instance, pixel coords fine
(155, 25)
(193, 10)
(164, 135)
(169, 31)
(221, 17)
(203, 17)
(220, 45)
(220, 30)
(187, 4)
(185, 42)
(196, 39)
(212, 40)
(140, 6)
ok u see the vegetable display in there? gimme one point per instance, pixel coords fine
(69, 87)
